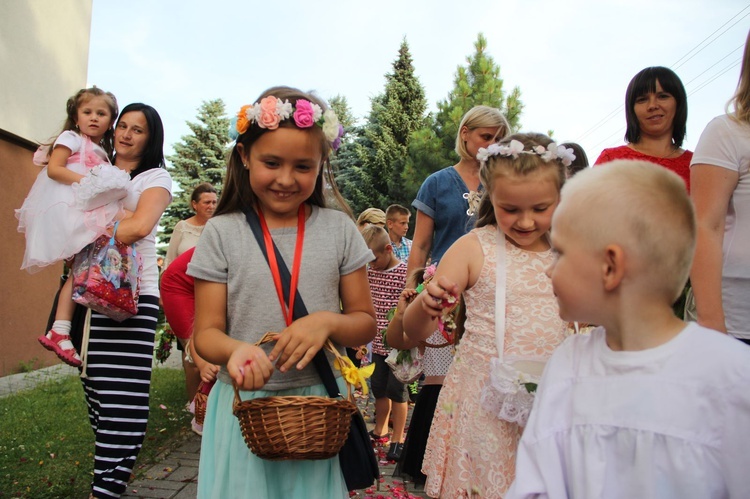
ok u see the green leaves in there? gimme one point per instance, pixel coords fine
(199, 157)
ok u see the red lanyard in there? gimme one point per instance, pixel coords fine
(288, 312)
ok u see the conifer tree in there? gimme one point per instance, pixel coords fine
(477, 83)
(394, 116)
(199, 157)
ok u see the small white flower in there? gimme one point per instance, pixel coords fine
(283, 109)
(566, 155)
(483, 154)
(514, 148)
(330, 125)
(550, 154)
(317, 112)
(253, 112)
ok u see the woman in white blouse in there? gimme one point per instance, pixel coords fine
(720, 178)
(186, 232)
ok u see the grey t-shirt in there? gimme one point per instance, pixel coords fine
(227, 252)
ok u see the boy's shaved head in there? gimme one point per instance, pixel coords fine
(376, 237)
(640, 206)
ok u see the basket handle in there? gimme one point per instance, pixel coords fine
(271, 336)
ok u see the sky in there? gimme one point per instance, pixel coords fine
(571, 59)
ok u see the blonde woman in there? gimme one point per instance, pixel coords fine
(445, 206)
(720, 179)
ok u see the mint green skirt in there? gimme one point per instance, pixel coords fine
(228, 468)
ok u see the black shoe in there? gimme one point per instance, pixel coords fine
(394, 451)
(413, 391)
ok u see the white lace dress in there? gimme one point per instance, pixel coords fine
(59, 220)
(470, 452)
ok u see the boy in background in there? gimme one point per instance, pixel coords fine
(387, 277)
(646, 405)
(397, 223)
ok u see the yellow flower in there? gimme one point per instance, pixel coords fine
(353, 375)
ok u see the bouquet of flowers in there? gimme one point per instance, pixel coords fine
(163, 347)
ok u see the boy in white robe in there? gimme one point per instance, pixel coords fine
(646, 406)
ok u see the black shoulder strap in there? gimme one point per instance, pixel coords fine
(319, 361)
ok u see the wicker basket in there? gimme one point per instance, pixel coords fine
(200, 400)
(294, 427)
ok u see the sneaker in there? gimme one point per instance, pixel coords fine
(394, 451)
(413, 391)
(197, 428)
(62, 346)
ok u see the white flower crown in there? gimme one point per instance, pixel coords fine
(515, 147)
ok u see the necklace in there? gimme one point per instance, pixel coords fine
(672, 150)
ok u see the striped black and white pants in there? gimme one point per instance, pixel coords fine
(117, 393)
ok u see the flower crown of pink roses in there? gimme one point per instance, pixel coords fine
(270, 111)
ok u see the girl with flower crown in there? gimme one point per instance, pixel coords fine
(445, 210)
(512, 321)
(279, 171)
(75, 199)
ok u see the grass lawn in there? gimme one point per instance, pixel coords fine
(46, 442)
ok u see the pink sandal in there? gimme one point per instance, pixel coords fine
(62, 346)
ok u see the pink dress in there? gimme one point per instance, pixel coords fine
(470, 452)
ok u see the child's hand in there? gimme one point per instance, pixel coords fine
(406, 297)
(439, 295)
(249, 367)
(298, 343)
(208, 372)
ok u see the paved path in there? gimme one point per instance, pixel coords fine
(175, 477)
(175, 474)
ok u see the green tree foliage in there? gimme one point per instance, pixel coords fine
(477, 83)
(353, 184)
(199, 157)
(339, 104)
(394, 116)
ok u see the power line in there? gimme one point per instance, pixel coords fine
(712, 41)
(700, 87)
(711, 66)
(722, 72)
(676, 65)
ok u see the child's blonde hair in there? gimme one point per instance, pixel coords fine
(525, 164)
(643, 207)
(396, 210)
(371, 216)
(376, 237)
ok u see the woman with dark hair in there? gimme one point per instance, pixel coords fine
(118, 362)
(186, 232)
(656, 115)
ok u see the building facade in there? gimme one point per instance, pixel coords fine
(44, 49)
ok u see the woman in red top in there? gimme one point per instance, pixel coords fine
(656, 115)
(178, 302)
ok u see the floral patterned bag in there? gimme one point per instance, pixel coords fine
(106, 277)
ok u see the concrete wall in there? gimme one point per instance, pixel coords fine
(44, 53)
(44, 48)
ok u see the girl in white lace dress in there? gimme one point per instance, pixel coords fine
(75, 199)
(499, 267)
